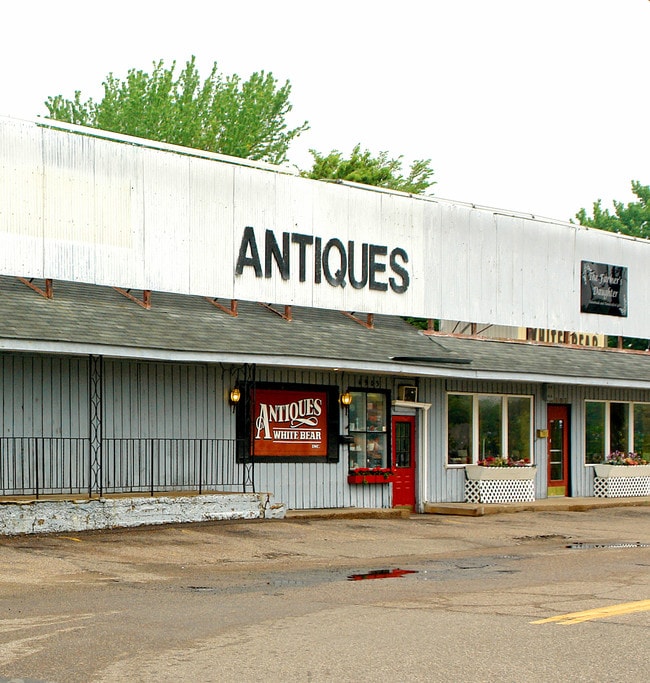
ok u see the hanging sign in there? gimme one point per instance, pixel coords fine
(290, 423)
(603, 289)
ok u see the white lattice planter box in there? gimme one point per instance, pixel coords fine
(499, 484)
(481, 473)
(618, 471)
(621, 481)
(621, 487)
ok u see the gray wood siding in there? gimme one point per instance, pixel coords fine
(321, 485)
(48, 396)
(164, 400)
(44, 396)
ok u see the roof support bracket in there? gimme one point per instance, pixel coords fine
(47, 293)
(230, 311)
(368, 323)
(145, 302)
(287, 315)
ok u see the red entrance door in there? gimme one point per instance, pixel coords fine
(404, 461)
(558, 450)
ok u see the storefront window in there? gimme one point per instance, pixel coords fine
(481, 426)
(368, 428)
(619, 427)
(489, 426)
(642, 428)
(519, 427)
(595, 431)
(615, 426)
(459, 435)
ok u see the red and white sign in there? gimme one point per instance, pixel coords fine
(290, 422)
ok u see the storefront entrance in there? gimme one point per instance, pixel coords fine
(404, 461)
(558, 450)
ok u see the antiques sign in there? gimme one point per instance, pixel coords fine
(365, 265)
(290, 422)
(603, 289)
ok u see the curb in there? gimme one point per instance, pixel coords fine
(348, 513)
(471, 509)
(544, 505)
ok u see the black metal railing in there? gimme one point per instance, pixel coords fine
(151, 465)
(42, 465)
(37, 466)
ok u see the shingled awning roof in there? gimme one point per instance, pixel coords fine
(91, 319)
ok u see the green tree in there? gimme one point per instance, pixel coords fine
(631, 219)
(381, 170)
(222, 114)
(634, 343)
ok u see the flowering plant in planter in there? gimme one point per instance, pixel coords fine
(385, 472)
(622, 474)
(622, 458)
(370, 475)
(497, 461)
(498, 479)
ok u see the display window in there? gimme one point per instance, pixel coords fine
(487, 427)
(368, 427)
(616, 427)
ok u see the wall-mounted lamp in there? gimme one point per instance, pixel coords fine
(235, 395)
(346, 398)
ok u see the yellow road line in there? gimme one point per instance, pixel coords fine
(598, 613)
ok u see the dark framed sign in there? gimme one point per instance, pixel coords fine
(290, 423)
(603, 289)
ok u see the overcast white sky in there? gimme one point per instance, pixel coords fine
(539, 106)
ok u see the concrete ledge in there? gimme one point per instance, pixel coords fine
(349, 513)
(464, 509)
(543, 505)
(48, 516)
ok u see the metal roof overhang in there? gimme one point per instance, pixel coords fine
(443, 368)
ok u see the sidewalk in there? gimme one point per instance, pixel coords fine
(475, 509)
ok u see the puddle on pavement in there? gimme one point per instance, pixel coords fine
(381, 574)
(583, 546)
(475, 568)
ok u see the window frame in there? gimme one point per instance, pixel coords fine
(607, 431)
(385, 432)
(475, 427)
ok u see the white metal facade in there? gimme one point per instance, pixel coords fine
(89, 209)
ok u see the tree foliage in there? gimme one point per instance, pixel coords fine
(362, 167)
(631, 219)
(629, 343)
(222, 114)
